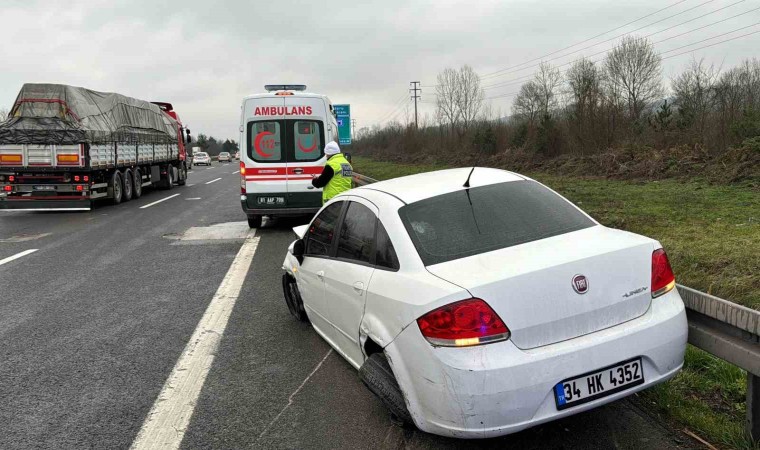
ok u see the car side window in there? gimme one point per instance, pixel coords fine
(357, 234)
(321, 232)
(384, 251)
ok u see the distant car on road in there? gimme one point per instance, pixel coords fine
(479, 308)
(224, 157)
(201, 158)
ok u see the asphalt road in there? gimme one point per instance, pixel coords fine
(93, 322)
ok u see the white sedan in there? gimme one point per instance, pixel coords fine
(481, 308)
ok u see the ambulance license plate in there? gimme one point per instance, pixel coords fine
(271, 200)
(594, 385)
(44, 188)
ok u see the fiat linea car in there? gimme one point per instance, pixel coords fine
(478, 302)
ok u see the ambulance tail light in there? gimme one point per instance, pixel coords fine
(242, 169)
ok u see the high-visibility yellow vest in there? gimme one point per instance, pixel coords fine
(342, 179)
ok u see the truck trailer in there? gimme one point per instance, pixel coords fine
(64, 147)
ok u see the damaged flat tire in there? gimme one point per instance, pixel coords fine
(293, 298)
(377, 375)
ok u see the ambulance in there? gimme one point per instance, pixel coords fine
(283, 133)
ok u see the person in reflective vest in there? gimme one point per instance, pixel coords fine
(337, 176)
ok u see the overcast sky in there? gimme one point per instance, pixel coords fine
(204, 56)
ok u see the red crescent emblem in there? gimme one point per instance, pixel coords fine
(257, 144)
(307, 150)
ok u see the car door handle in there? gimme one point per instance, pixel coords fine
(359, 287)
(321, 274)
(298, 171)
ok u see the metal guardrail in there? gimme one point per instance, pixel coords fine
(724, 329)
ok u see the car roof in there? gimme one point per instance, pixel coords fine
(413, 188)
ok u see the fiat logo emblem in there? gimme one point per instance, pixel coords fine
(580, 284)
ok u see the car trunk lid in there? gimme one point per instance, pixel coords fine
(531, 286)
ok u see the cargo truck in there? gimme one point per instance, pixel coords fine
(64, 147)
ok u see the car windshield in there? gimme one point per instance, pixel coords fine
(478, 220)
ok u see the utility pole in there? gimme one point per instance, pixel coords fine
(353, 128)
(415, 89)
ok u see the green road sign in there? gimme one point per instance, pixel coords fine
(343, 114)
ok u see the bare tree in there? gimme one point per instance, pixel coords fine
(3, 114)
(447, 90)
(634, 70)
(527, 104)
(694, 92)
(585, 97)
(548, 80)
(459, 97)
(470, 99)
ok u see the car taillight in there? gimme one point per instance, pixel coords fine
(462, 324)
(663, 279)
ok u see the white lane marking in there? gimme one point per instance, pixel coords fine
(167, 421)
(290, 399)
(193, 198)
(212, 181)
(158, 201)
(17, 256)
(188, 185)
(237, 171)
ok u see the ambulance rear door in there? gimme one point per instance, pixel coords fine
(265, 153)
(306, 130)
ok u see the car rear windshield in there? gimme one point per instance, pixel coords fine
(482, 219)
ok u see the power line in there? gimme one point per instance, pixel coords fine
(505, 72)
(516, 80)
(385, 116)
(512, 94)
(591, 38)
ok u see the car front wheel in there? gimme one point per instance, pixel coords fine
(293, 298)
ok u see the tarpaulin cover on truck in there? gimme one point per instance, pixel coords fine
(61, 114)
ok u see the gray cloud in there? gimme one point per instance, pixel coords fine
(205, 56)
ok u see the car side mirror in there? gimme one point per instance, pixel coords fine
(299, 248)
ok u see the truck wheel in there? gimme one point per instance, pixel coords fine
(254, 221)
(116, 187)
(137, 183)
(293, 298)
(182, 176)
(128, 181)
(169, 180)
(378, 376)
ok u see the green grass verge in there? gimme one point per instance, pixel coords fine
(712, 236)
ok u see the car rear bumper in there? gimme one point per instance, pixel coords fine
(498, 389)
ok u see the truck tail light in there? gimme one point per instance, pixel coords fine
(663, 279)
(86, 178)
(463, 324)
(7, 188)
(11, 178)
(77, 178)
(80, 188)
